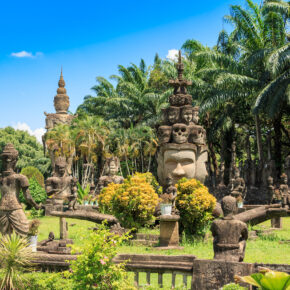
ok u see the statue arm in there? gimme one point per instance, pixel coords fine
(244, 233)
(29, 198)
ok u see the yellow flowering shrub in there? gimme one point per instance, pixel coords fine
(105, 197)
(195, 205)
(132, 202)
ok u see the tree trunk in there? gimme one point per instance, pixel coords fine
(259, 138)
(277, 142)
(214, 161)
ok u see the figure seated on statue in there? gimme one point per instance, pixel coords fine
(60, 188)
(270, 190)
(12, 216)
(238, 186)
(110, 172)
(229, 235)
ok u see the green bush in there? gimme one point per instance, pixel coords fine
(195, 205)
(37, 192)
(32, 172)
(233, 286)
(132, 202)
(47, 281)
(94, 267)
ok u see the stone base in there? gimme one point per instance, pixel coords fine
(169, 232)
(276, 223)
(168, 248)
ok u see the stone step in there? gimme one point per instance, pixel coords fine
(143, 243)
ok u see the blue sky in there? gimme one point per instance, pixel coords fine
(89, 39)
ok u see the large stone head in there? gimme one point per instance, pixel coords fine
(9, 157)
(173, 115)
(164, 134)
(111, 166)
(229, 206)
(60, 166)
(186, 114)
(180, 133)
(181, 160)
(195, 115)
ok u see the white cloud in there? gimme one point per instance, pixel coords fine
(37, 132)
(23, 54)
(172, 54)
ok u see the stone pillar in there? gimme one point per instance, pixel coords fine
(276, 222)
(63, 235)
(169, 232)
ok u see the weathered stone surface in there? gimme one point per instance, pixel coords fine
(12, 216)
(183, 152)
(213, 274)
(169, 232)
(229, 234)
(60, 188)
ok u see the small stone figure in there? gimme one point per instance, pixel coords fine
(238, 185)
(61, 187)
(195, 115)
(230, 235)
(74, 194)
(270, 189)
(12, 216)
(171, 191)
(284, 191)
(187, 114)
(111, 169)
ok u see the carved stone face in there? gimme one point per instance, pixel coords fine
(111, 166)
(173, 115)
(60, 169)
(180, 133)
(195, 116)
(178, 164)
(186, 114)
(164, 134)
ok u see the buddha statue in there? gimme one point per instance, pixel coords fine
(229, 235)
(61, 187)
(12, 216)
(181, 160)
(110, 171)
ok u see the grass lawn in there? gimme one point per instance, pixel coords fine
(266, 249)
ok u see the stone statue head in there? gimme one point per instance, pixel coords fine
(111, 166)
(284, 178)
(195, 115)
(186, 114)
(60, 166)
(9, 157)
(270, 180)
(237, 172)
(169, 181)
(180, 133)
(229, 206)
(181, 160)
(173, 114)
(164, 134)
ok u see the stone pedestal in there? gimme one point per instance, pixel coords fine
(276, 222)
(63, 233)
(169, 233)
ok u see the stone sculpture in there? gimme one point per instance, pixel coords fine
(61, 105)
(270, 190)
(60, 188)
(12, 216)
(229, 234)
(284, 190)
(239, 186)
(183, 151)
(170, 191)
(110, 172)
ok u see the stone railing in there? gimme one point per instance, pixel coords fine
(160, 264)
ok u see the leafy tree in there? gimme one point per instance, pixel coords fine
(30, 151)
